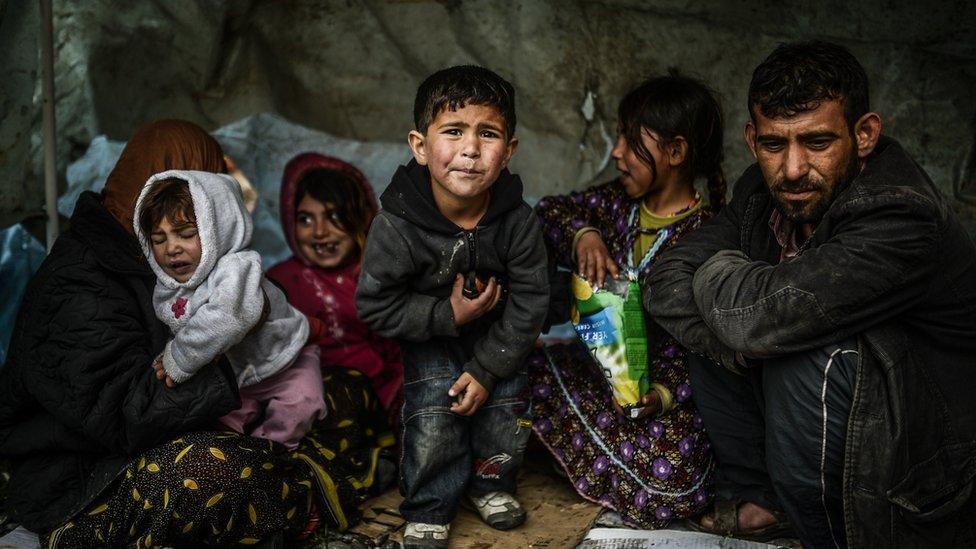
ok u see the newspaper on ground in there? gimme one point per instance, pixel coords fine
(622, 538)
(20, 538)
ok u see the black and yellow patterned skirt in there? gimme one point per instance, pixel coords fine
(223, 488)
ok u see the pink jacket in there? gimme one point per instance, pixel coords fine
(330, 295)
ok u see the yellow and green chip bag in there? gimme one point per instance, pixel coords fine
(610, 321)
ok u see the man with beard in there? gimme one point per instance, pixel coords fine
(832, 305)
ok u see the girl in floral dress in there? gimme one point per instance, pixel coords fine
(658, 467)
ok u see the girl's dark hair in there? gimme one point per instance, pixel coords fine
(347, 195)
(672, 106)
(169, 198)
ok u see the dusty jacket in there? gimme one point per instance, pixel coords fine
(891, 264)
(78, 395)
(413, 254)
(218, 309)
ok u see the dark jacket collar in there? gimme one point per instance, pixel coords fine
(410, 197)
(114, 247)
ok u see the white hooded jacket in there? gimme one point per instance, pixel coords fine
(214, 312)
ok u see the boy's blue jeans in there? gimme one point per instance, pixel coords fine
(445, 455)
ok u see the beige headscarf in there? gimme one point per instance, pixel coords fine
(157, 147)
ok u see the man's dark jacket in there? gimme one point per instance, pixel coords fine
(414, 253)
(78, 394)
(889, 263)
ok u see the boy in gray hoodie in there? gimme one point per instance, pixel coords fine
(455, 268)
(212, 293)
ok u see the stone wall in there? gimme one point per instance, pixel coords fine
(351, 68)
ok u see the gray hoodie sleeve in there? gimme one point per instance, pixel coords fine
(503, 349)
(234, 306)
(384, 298)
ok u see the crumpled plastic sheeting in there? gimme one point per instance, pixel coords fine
(20, 256)
(260, 145)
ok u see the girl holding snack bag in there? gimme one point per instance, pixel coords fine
(649, 460)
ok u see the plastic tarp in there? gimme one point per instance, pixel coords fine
(20, 256)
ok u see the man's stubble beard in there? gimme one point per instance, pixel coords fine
(814, 212)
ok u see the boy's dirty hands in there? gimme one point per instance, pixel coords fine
(161, 375)
(593, 259)
(466, 310)
(472, 395)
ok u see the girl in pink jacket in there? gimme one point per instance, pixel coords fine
(326, 208)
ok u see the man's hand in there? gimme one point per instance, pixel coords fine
(466, 310)
(473, 395)
(161, 375)
(593, 259)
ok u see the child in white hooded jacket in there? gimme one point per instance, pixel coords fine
(212, 293)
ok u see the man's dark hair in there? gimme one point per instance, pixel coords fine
(797, 77)
(455, 87)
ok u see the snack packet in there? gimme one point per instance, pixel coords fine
(611, 322)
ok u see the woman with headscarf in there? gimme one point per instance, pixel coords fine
(104, 454)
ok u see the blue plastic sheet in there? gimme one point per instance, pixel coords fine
(20, 256)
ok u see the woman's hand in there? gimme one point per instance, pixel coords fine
(162, 376)
(651, 403)
(593, 258)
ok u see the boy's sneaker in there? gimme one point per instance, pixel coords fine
(420, 535)
(500, 510)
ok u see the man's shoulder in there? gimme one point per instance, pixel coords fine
(892, 177)
(751, 182)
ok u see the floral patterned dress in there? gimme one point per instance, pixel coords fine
(651, 470)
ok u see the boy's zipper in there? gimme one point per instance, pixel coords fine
(472, 248)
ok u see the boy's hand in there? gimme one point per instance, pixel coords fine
(593, 259)
(161, 375)
(466, 310)
(474, 395)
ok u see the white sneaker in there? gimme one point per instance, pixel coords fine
(420, 535)
(500, 510)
